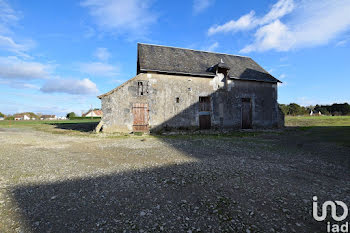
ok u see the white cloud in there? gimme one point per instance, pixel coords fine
(132, 17)
(343, 42)
(212, 47)
(70, 86)
(201, 5)
(14, 68)
(102, 54)
(278, 10)
(250, 21)
(8, 44)
(19, 84)
(282, 76)
(311, 23)
(8, 16)
(275, 35)
(243, 23)
(98, 69)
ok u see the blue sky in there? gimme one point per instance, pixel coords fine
(57, 56)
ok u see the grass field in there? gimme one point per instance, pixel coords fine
(334, 129)
(289, 121)
(317, 120)
(37, 122)
(71, 127)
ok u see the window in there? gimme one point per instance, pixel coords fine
(177, 100)
(204, 103)
(140, 88)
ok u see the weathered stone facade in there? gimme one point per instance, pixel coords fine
(179, 88)
(173, 102)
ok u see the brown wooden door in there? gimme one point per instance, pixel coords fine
(140, 113)
(204, 122)
(204, 112)
(246, 113)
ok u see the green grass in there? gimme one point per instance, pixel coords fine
(317, 121)
(12, 123)
(323, 128)
(71, 127)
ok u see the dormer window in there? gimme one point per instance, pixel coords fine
(221, 67)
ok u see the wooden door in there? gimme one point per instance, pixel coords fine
(246, 113)
(204, 121)
(204, 112)
(140, 113)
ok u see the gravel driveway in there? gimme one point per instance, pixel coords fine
(61, 183)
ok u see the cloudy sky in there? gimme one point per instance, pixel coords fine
(57, 56)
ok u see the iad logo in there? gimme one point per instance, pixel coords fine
(333, 208)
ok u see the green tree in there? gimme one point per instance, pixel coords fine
(284, 108)
(295, 109)
(71, 115)
(2, 115)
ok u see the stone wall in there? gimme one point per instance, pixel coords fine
(173, 102)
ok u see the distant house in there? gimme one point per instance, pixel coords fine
(62, 118)
(313, 112)
(2, 118)
(93, 113)
(21, 117)
(48, 117)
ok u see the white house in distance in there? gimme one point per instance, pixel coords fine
(48, 117)
(93, 113)
(312, 112)
(20, 117)
(2, 118)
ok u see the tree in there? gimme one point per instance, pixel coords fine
(296, 109)
(322, 109)
(284, 108)
(2, 115)
(71, 115)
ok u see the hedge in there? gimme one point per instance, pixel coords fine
(84, 118)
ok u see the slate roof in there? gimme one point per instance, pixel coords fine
(173, 60)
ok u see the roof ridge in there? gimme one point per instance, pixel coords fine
(196, 50)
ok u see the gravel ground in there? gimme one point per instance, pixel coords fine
(62, 183)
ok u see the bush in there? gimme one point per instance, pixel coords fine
(71, 115)
(84, 118)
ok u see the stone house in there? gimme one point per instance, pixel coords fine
(178, 88)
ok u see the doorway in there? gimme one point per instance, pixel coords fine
(140, 113)
(204, 112)
(246, 113)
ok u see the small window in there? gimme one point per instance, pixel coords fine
(204, 104)
(177, 100)
(140, 88)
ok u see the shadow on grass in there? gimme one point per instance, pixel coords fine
(334, 134)
(77, 126)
